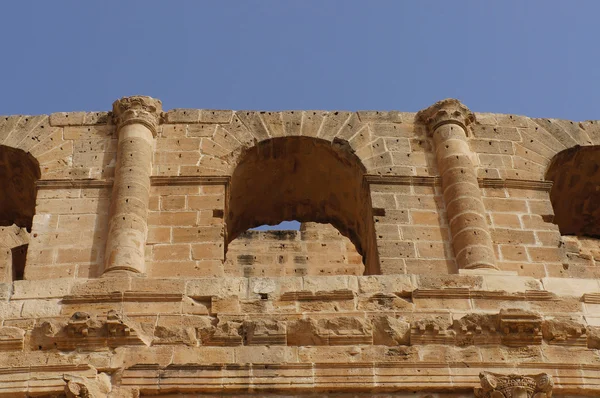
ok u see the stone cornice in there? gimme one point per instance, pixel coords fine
(224, 180)
(155, 181)
(436, 181)
(138, 109)
(445, 111)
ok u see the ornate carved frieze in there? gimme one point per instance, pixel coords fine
(86, 332)
(494, 385)
(520, 328)
(265, 332)
(227, 333)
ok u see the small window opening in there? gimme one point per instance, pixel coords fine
(19, 258)
(282, 226)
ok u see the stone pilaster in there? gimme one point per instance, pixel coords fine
(137, 120)
(447, 122)
(495, 385)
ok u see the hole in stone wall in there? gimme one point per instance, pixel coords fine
(19, 258)
(575, 194)
(303, 179)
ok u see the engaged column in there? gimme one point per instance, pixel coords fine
(137, 119)
(447, 122)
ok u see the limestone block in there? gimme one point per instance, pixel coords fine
(41, 308)
(390, 331)
(5, 291)
(203, 355)
(564, 331)
(570, 286)
(450, 281)
(226, 333)
(260, 287)
(266, 355)
(41, 289)
(401, 284)
(174, 334)
(264, 332)
(217, 287)
(329, 283)
(510, 284)
(11, 338)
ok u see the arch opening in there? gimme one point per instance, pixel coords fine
(575, 193)
(19, 172)
(305, 179)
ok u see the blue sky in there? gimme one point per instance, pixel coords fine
(538, 58)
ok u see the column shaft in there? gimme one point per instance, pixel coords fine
(136, 118)
(471, 239)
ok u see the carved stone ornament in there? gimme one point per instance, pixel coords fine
(495, 385)
(445, 111)
(138, 109)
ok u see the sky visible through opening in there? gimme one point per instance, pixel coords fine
(537, 58)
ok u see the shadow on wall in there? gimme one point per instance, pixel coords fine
(575, 194)
(305, 179)
(19, 172)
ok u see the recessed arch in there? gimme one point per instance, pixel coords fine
(19, 172)
(305, 179)
(575, 194)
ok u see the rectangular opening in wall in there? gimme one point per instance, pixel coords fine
(19, 257)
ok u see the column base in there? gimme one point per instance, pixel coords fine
(113, 272)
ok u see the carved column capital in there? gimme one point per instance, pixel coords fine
(445, 111)
(494, 385)
(138, 109)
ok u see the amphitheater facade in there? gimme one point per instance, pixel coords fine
(442, 254)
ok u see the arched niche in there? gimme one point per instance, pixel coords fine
(19, 172)
(575, 193)
(305, 179)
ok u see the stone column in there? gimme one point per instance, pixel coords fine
(137, 120)
(447, 122)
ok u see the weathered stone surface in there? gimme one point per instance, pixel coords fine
(430, 251)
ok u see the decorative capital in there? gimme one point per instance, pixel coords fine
(138, 109)
(494, 385)
(445, 111)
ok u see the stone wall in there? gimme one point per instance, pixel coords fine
(444, 267)
(316, 249)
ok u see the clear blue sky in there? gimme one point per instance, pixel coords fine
(538, 58)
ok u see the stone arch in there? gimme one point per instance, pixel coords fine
(223, 143)
(35, 135)
(575, 194)
(19, 172)
(304, 179)
(543, 139)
